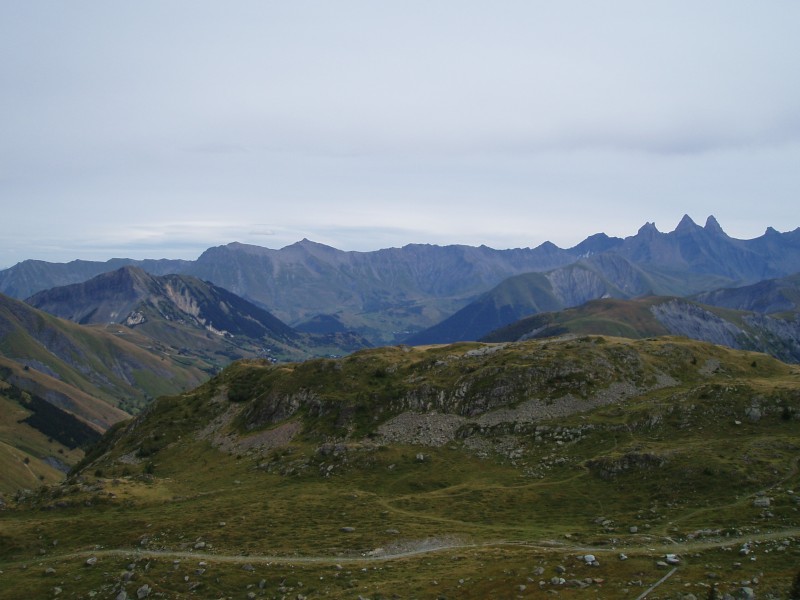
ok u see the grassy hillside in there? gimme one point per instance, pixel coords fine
(466, 471)
(92, 360)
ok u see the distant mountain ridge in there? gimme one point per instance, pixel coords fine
(388, 295)
(687, 261)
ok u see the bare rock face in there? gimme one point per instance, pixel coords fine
(684, 318)
(134, 319)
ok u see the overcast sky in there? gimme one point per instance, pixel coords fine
(159, 128)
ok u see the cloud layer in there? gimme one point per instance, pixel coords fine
(163, 128)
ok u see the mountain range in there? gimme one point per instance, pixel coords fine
(163, 332)
(392, 294)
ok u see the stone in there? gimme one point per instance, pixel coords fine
(761, 502)
(49, 571)
(248, 567)
(623, 556)
(143, 592)
(589, 559)
(347, 529)
(746, 593)
(633, 529)
(91, 561)
(662, 564)
(200, 546)
(123, 595)
(560, 569)
(672, 559)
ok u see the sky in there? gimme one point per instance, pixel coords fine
(160, 128)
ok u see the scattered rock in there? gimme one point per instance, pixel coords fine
(143, 592)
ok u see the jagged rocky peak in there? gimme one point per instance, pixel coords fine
(713, 226)
(648, 228)
(686, 225)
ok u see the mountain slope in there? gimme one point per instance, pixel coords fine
(39, 442)
(598, 276)
(101, 365)
(768, 296)
(578, 468)
(187, 316)
(657, 316)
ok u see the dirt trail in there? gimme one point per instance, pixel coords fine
(415, 548)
